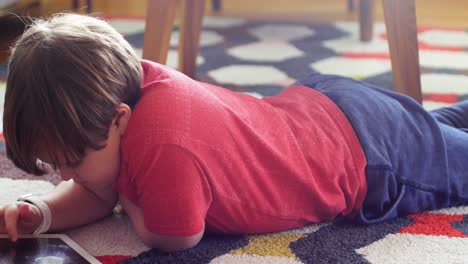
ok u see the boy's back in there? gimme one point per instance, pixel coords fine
(194, 152)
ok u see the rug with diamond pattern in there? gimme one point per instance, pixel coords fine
(260, 58)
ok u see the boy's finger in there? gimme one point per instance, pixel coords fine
(29, 214)
(2, 221)
(25, 213)
(11, 220)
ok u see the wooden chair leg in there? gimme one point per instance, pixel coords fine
(217, 5)
(400, 21)
(191, 26)
(13, 26)
(89, 7)
(350, 6)
(75, 4)
(159, 22)
(366, 21)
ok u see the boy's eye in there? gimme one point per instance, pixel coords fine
(74, 164)
(55, 166)
(60, 163)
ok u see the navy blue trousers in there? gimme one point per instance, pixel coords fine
(416, 160)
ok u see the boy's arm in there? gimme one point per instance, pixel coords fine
(73, 204)
(164, 243)
(173, 243)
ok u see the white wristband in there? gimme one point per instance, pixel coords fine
(43, 207)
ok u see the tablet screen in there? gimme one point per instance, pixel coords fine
(39, 250)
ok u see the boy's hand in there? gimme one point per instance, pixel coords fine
(19, 218)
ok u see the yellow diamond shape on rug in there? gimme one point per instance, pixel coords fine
(357, 77)
(270, 245)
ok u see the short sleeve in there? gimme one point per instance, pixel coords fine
(172, 191)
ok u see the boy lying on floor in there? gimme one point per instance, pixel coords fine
(183, 156)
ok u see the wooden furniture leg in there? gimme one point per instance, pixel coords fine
(159, 22)
(12, 26)
(89, 5)
(191, 26)
(217, 5)
(366, 21)
(350, 6)
(400, 21)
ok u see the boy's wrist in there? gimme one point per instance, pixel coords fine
(43, 207)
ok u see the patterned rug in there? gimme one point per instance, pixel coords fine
(260, 58)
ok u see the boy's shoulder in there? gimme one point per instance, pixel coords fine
(162, 85)
(158, 74)
(164, 102)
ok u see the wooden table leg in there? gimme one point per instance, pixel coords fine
(159, 22)
(400, 21)
(366, 21)
(89, 7)
(191, 26)
(217, 5)
(350, 6)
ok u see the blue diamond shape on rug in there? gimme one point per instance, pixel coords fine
(210, 247)
(462, 225)
(338, 243)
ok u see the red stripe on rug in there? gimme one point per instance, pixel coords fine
(358, 55)
(441, 98)
(426, 28)
(112, 259)
(434, 224)
(425, 46)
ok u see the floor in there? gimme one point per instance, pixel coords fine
(451, 13)
(447, 13)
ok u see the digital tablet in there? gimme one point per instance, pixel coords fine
(43, 249)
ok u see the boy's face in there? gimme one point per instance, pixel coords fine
(98, 168)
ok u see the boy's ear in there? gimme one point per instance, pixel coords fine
(123, 116)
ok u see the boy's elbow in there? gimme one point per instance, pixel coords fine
(170, 243)
(173, 247)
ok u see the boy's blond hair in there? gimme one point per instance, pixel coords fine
(66, 76)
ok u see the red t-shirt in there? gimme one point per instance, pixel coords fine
(198, 155)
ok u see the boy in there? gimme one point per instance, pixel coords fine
(183, 157)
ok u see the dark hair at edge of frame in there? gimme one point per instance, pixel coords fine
(62, 90)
